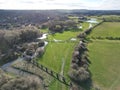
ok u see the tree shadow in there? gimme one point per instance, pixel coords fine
(88, 84)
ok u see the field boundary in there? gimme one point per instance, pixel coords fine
(55, 75)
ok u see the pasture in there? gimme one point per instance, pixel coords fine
(105, 63)
(106, 29)
(57, 56)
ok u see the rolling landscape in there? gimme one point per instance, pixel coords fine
(59, 48)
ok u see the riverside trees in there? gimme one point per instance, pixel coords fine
(11, 40)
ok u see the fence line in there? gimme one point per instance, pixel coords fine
(55, 75)
(59, 77)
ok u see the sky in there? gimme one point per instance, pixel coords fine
(60, 4)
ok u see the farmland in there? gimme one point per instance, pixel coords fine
(104, 56)
(106, 29)
(59, 53)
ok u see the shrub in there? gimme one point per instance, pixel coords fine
(41, 43)
(3, 78)
(24, 83)
(79, 75)
(28, 35)
(74, 66)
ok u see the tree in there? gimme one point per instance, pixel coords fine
(23, 83)
(56, 26)
(79, 75)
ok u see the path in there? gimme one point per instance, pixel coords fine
(62, 67)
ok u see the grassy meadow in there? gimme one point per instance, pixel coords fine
(105, 56)
(106, 29)
(57, 53)
(67, 35)
(105, 63)
(53, 58)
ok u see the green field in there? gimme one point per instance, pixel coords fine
(57, 53)
(105, 59)
(106, 29)
(67, 35)
(105, 56)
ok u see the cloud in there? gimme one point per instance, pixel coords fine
(60, 4)
(110, 5)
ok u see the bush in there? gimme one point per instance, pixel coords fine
(28, 35)
(74, 66)
(41, 43)
(24, 83)
(79, 75)
(3, 78)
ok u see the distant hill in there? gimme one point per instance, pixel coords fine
(17, 18)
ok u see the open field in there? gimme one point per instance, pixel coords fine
(67, 35)
(55, 55)
(106, 29)
(105, 63)
(59, 53)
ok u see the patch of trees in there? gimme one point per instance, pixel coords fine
(33, 50)
(19, 83)
(95, 12)
(17, 18)
(79, 65)
(12, 37)
(56, 26)
(12, 42)
(60, 26)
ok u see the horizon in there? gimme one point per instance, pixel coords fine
(59, 5)
(53, 9)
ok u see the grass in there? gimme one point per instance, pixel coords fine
(105, 58)
(106, 29)
(56, 53)
(66, 35)
(44, 30)
(85, 25)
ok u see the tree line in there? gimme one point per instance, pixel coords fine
(14, 40)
